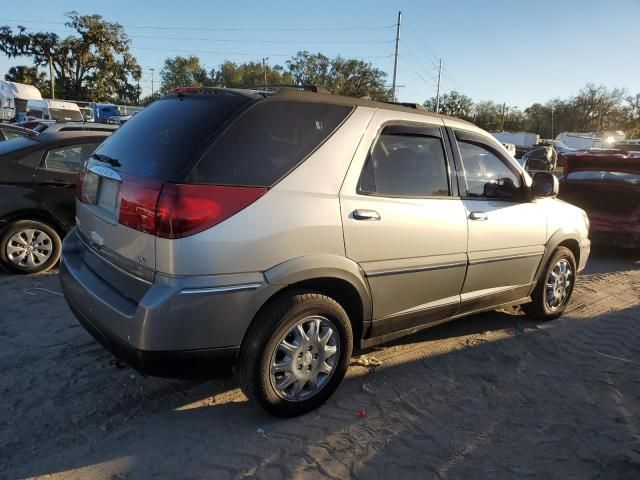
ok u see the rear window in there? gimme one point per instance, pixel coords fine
(267, 142)
(164, 137)
(16, 144)
(64, 115)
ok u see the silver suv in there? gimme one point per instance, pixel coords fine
(272, 234)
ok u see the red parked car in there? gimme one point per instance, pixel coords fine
(606, 184)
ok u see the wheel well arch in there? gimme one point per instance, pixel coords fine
(573, 245)
(342, 291)
(35, 214)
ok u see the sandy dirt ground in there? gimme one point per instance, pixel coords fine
(492, 396)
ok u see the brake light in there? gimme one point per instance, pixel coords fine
(138, 203)
(185, 210)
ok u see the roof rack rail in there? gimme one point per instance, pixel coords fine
(415, 106)
(278, 86)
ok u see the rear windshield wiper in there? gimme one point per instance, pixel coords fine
(106, 159)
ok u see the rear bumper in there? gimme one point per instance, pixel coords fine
(179, 327)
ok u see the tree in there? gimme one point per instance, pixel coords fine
(452, 103)
(29, 76)
(355, 78)
(342, 76)
(234, 75)
(95, 64)
(183, 71)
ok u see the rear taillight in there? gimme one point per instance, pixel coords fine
(173, 210)
(185, 210)
(138, 203)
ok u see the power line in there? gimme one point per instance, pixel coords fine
(235, 40)
(257, 55)
(226, 29)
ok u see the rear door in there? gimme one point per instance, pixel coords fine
(507, 231)
(55, 179)
(404, 223)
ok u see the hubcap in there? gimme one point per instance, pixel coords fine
(558, 286)
(29, 248)
(305, 358)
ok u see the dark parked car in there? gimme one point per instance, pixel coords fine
(37, 195)
(607, 185)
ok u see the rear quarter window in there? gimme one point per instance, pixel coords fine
(268, 141)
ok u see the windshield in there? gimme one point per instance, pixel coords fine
(110, 111)
(65, 115)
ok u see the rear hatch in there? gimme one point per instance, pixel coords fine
(168, 174)
(120, 186)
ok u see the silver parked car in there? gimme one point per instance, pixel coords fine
(276, 233)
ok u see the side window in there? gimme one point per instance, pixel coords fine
(268, 141)
(486, 174)
(70, 158)
(406, 166)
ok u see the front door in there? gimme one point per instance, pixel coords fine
(507, 231)
(404, 227)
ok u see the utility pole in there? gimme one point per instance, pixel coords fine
(395, 61)
(552, 137)
(438, 89)
(152, 70)
(504, 105)
(264, 69)
(53, 86)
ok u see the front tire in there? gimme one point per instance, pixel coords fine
(29, 246)
(555, 286)
(296, 353)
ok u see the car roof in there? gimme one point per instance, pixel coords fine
(52, 137)
(80, 126)
(298, 93)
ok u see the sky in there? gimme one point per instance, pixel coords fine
(517, 52)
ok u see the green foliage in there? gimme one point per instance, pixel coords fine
(29, 76)
(95, 64)
(593, 109)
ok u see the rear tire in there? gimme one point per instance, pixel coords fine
(296, 353)
(555, 286)
(29, 246)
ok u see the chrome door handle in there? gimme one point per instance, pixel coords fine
(361, 214)
(478, 216)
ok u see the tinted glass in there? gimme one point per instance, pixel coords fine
(164, 137)
(35, 113)
(69, 158)
(486, 174)
(267, 142)
(8, 134)
(15, 144)
(411, 166)
(594, 175)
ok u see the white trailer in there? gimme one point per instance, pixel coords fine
(14, 97)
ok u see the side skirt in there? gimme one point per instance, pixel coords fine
(372, 342)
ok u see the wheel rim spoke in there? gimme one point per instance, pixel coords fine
(305, 358)
(29, 248)
(558, 285)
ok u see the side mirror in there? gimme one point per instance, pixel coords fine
(545, 184)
